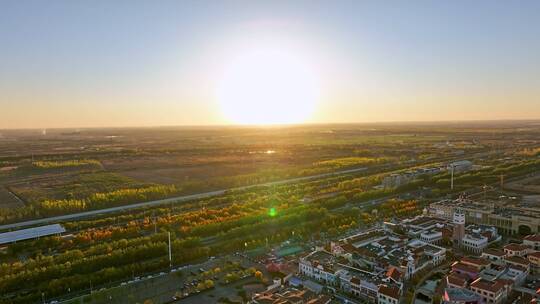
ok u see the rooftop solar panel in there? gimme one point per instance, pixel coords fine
(30, 233)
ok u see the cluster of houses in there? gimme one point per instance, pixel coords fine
(491, 277)
(372, 265)
(375, 265)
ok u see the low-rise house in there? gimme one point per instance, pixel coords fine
(474, 242)
(516, 250)
(460, 296)
(388, 295)
(456, 280)
(478, 263)
(319, 265)
(518, 261)
(433, 236)
(465, 270)
(534, 259)
(493, 292)
(532, 241)
(494, 255)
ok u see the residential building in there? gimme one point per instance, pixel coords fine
(456, 280)
(534, 259)
(474, 242)
(516, 250)
(533, 241)
(492, 292)
(433, 236)
(460, 296)
(388, 295)
(494, 255)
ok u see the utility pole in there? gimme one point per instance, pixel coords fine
(451, 177)
(155, 221)
(170, 253)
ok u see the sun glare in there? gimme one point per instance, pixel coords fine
(268, 86)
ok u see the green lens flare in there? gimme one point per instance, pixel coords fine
(272, 212)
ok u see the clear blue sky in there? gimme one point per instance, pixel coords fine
(116, 63)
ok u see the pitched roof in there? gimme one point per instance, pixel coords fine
(532, 237)
(535, 254)
(456, 279)
(394, 273)
(516, 247)
(518, 260)
(392, 292)
(464, 267)
(475, 261)
(495, 252)
(491, 286)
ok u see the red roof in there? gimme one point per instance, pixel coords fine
(516, 247)
(464, 267)
(392, 292)
(495, 252)
(495, 286)
(475, 261)
(456, 279)
(394, 273)
(355, 280)
(518, 260)
(532, 237)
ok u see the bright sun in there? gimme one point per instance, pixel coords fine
(268, 86)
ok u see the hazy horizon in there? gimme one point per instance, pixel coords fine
(70, 64)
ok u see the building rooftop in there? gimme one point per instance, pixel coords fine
(30, 233)
(517, 260)
(494, 252)
(491, 286)
(532, 237)
(390, 291)
(460, 295)
(516, 247)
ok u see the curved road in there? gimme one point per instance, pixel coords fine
(171, 200)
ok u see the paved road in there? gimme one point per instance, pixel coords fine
(169, 200)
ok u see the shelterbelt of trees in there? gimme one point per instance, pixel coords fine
(100, 252)
(94, 201)
(66, 163)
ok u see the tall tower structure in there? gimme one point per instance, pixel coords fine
(459, 225)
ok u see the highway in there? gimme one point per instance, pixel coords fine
(171, 200)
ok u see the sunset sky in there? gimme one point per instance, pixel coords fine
(146, 63)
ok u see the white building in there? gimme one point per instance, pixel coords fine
(433, 236)
(388, 295)
(319, 265)
(474, 242)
